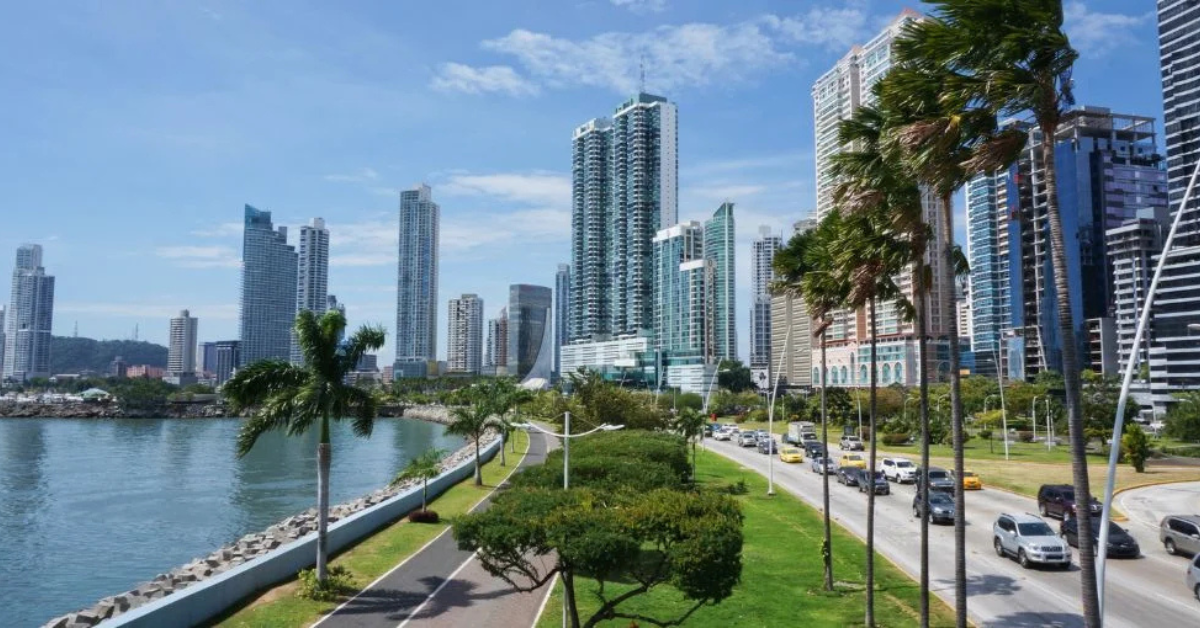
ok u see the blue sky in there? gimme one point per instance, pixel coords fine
(134, 131)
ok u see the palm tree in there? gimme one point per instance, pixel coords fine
(690, 424)
(293, 398)
(504, 396)
(424, 467)
(874, 177)
(1011, 58)
(472, 421)
(806, 269)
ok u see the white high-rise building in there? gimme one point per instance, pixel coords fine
(312, 273)
(268, 306)
(762, 254)
(836, 95)
(496, 362)
(417, 283)
(465, 331)
(562, 309)
(30, 317)
(181, 353)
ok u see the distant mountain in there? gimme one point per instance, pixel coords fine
(84, 355)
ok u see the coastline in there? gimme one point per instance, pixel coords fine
(254, 544)
(113, 410)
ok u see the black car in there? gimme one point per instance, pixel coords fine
(939, 480)
(709, 428)
(1120, 543)
(941, 507)
(767, 446)
(882, 487)
(814, 448)
(848, 475)
(1058, 500)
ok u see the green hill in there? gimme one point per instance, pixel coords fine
(87, 355)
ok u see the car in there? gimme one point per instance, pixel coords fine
(1120, 543)
(941, 507)
(971, 481)
(791, 454)
(848, 476)
(852, 460)
(815, 448)
(809, 437)
(882, 487)
(1058, 500)
(747, 439)
(767, 446)
(939, 480)
(789, 440)
(1193, 576)
(899, 470)
(1180, 534)
(821, 464)
(851, 443)
(1029, 539)
(723, 434)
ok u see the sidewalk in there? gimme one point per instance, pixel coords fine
(442, 586)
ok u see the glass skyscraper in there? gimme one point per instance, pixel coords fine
(417, 283)
(562, 308)
(719, 253)
(30, 317)
(312, 274)
(761, 256)
(268, 303)
(987, 255)
(680, 294)
(529, 326)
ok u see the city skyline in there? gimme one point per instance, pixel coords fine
(496, 200)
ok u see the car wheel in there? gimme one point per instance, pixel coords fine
(916, 513)
(995, 543)
(1169, 545)
(1065, 566)
(1045, 512)
(1022, 559)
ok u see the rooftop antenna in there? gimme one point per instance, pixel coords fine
(75, 334)
(135, 332)
(642, 74)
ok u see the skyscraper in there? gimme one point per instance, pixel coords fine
(762, 274)
(227, 358)
(562, 308)
(417, 283)
(497, 344)
(3, 342)
(30, 317)
(1132, 251)
(987, 256)
(719, 247)
(465, 331)
(791, 334)
(181, 353)
(312, 273)
(268, 304)
(530, 338)
(1176, 348)
(625, 187)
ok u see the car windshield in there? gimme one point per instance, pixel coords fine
(937, 475)
(1113, 528)
(879, 476)
(1037, 528)
(854, 457)
(790, 450)
(904, 464)
(940, 499)
(851, 438)
(968, 474)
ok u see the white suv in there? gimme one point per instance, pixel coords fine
(899, 470)
(1030, 540)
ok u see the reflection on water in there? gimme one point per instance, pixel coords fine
(93, 507)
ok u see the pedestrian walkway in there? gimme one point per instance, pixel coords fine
(442, 585)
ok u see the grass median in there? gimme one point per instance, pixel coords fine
(782, 571)
(373, 556)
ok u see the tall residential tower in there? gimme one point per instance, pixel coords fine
(268, 304)
(181, 353)
(417, 283)
(30, 317)
(465, 330)
(762, 254)
(312, 273)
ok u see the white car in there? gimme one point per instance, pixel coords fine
(900, 470)
(724, 433)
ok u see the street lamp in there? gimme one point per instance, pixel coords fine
(787, 338)
(712, 381)
(566, 437)
(1033, 415)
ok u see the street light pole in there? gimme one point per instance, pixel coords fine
(771, 416)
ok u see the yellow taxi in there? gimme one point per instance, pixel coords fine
(971, 481)
(791, 454)
(852, 460)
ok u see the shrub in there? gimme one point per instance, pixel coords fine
(423, 516)
(336, 583)
(896, 439)
(1025, 436)
(758, 414)
(739, 419)
(629, 459)
(1137, 446)
(985, 434)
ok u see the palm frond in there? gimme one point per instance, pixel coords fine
(252, 385)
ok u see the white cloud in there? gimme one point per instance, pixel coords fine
(221, 311)
(223, 230)
(832, 28)
(641, 6)
(456, 77)
(537, 188)
(200, 256)
(1096, 34)
(366, 174)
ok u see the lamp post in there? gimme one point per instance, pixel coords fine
(711, 381)
(1033, 415)
(566, 437)
(771, 416)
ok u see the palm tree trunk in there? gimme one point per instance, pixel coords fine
(827, 544)
(1070, 372)
(569, 598)
(871, 476)
(425, 494)
(950, 320)
(478, 466)
(323, 460)
(503, 438)
(923, 383)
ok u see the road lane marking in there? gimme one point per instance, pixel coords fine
(441, 586)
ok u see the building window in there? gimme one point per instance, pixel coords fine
(898, 372)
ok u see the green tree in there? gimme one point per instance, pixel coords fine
(1137, 446)
(424, 467)
(734, 376)
(689, 423)
(472, 421)
(294, 398)
(1183, 417)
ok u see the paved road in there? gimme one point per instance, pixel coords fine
(1142, 592)
(442, 586)
(1147, 506)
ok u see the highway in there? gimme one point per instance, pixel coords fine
(1147, 591)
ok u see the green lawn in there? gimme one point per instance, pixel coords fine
(782, 572)
(281, 607)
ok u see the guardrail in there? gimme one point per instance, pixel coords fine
(208, 599)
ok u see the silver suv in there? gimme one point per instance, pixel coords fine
(899, 470)
(1030, 540)
(1180, 534)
